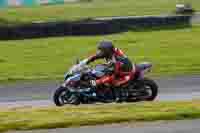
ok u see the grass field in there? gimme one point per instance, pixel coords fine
(68, 116)
(97, 8)
(172, 52)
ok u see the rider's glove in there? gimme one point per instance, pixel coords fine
(80, 65)
(83, 62)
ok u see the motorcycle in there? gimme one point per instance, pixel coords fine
(77, 89)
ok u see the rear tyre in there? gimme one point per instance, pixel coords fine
(151, 88)
(63, 96)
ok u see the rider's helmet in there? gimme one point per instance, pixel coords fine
(106, 48)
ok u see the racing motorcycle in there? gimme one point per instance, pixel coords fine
(77, 89)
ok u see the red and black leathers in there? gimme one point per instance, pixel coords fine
(123, 68)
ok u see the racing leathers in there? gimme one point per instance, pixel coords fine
(123, 68)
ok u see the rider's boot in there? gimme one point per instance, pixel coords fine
(118, 97)
(121, 94)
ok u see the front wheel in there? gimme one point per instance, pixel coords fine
(63, 96)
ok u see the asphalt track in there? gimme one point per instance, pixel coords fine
(185, 126)
(196, 18)
(40, 93)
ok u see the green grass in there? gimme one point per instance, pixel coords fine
(172, 52)
(97, 8)
(68, 116)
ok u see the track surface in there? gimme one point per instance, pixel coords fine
(40, 93)
(186, 126)
(196, 19)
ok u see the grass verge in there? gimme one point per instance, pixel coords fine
(70, 116)
(172, 52)
(96, 8)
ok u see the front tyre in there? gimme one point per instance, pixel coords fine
(63, 96)
(151, 89)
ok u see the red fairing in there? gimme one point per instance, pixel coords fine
(105, 80)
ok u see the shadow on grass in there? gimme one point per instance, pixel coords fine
(2, 60)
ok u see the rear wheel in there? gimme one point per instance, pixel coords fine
(63, 96)
(151, 89)
(145, 90)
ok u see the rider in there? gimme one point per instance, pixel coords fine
(122, 66)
